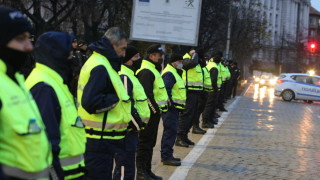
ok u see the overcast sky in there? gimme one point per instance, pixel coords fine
(316, 4)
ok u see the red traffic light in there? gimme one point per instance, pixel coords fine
(312, 47)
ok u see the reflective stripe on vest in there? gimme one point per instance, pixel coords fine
(118, 116)
(193, 78)
(139, 96)
(18, 173)
(145, 120)
(71, 160)
(178, 91)
(98, 125)
(22, 151)
(159, 91)
(207, 85)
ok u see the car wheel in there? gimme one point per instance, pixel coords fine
(287, 95)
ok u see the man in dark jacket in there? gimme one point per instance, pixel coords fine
(202, 96)
(177, 96)
(48, 83)
(209, 113)
(104, 104)
(20, 123)
(150, 80)
(127, 159)
(190, 62)
(235, 75)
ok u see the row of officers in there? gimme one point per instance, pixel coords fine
(44, 134)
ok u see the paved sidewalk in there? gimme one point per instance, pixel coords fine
(262, 138)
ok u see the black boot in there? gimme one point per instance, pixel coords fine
(180, 142)
(198, 130)
(215, 121)
(176, 159)
(171, 162)
(187, 140)
(142, 174)
(223, 109)
(153, 176)
(208, 125)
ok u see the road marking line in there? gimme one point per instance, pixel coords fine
(182, 171)
(245, 92)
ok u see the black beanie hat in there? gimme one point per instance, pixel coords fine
(12, 23)
(176, 57)
(130, 52)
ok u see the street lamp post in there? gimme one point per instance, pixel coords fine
(229, 32)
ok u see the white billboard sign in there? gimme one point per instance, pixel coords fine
(166, 21)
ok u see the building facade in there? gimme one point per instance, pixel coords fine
(288, 23)
(314, 26)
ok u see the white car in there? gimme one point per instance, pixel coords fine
(292, 86)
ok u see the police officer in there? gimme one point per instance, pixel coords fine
(223, 72)
(140, 114)
(193, 78)
(202, 95)
(154, 87)
(208, 116)
(235, 75)
(24, 148)
(48, 83)
(225, 93)
(177, 98)
(104, 103)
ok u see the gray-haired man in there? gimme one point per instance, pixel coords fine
(104, 104)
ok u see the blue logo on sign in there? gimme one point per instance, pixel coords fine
(144, 0)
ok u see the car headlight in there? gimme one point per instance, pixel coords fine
(272, 81)
(262, 81)
(257, 79)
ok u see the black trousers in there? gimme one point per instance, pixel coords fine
(221, 96)
(189, 113)
(229, 88)
(234, 88)
(210, 107)
(127, 159)
(99, 157)
(170, 121)
(202, 99)
(226, 88)
(147, 141)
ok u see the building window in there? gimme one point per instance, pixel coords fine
(312, 33)
(313, 21)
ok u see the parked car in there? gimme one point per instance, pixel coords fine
(296, 86)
